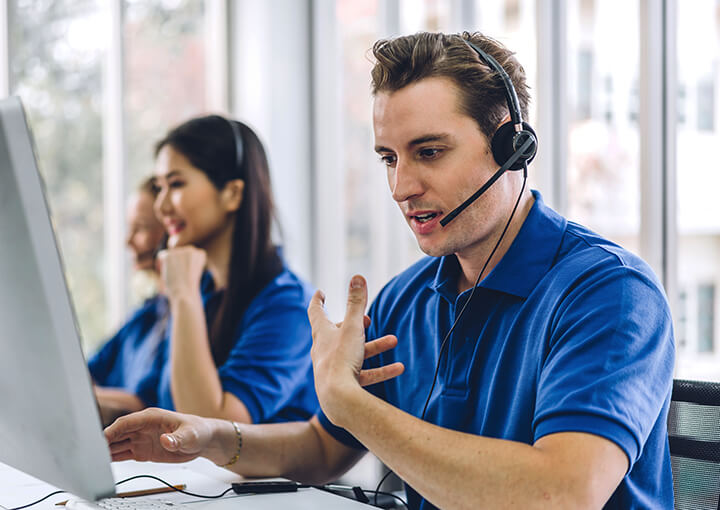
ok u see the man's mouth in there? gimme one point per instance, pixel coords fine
(424, 218)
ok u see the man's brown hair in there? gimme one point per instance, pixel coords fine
(404, 60)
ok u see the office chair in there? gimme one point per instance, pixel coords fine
(694, 435)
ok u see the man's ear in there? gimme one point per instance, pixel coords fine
(231, 195)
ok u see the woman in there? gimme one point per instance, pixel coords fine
(126, 370)
(240, 338)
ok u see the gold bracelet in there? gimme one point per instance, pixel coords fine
(238, 434)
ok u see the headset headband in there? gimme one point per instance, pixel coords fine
(510, 94)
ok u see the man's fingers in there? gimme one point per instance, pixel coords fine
(357, 299)
(316, 310)
(377, 375)
(366, 322)
(379, 345)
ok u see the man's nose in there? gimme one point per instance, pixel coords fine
(404, 181)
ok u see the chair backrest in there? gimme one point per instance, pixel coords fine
(694, 435)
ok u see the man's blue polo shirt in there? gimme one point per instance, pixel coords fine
(129, 360)
(569, 332)
(269, 367)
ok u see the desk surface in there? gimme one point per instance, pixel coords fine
(200, 476)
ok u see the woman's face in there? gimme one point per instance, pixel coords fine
(192, 210)
(144, 230)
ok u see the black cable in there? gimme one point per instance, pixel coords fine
(462, 311)
(127, 480)
(38, 501)
(152, 477)
(327, 488)
(333, 487)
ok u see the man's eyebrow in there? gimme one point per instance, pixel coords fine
(433, 137)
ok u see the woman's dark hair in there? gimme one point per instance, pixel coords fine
(210, 143)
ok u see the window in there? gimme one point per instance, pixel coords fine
(706, 104)
(706, 318)
(56, 56)
(603, 160)
(698, 210)
(58, 50)
(164, 74)
(681, 322)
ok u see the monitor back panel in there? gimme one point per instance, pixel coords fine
(49, 422)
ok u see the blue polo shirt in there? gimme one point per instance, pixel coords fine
(569, 332)
(130, 360)
(269, 368)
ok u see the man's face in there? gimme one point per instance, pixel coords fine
(436, 157)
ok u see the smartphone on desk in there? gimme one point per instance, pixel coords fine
(264, 487)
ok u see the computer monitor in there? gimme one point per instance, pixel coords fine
(49, 423)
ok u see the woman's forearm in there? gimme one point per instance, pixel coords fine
(195, 384)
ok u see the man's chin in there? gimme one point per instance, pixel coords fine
(434, 250)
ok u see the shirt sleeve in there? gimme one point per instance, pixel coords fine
(609, 368)
(102, 363)
(270, 364)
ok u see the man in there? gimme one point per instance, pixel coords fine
(553, 387)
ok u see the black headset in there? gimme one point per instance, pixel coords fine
(514, 143)
(239, 147)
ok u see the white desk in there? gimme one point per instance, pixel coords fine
(200, 476)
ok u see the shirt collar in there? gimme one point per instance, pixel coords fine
(207, 284)
(528, 259)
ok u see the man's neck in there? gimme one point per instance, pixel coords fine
(472, 261)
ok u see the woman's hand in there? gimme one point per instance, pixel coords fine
(181, 270)
(114, 403)
(158, 435)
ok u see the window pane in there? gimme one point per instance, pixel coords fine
(164, 74)
(427, 15)
(604, 157)
(56, 56)
(706, 305)
(698, 210)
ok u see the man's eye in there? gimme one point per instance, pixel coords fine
(388, 159)
(429, 152)
(175, 184)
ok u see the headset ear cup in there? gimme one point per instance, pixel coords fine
(502, 145)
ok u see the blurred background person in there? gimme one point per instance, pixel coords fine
(126, 369)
